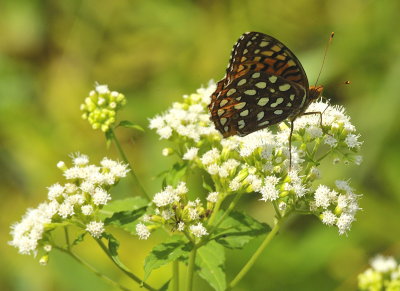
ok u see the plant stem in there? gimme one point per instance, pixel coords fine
(123, 268)
(91, 268)
(227, 212)
(67, 238)
(255, 256)
(175, 275)
(125, 159)
(190, 271)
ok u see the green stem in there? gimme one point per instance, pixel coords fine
(67, 238)
(125, 159)
(122, 267)
(91, 268)
(175, 275)
(190, 271)
(227, 212)
(255, 256)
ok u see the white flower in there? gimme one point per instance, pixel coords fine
(282, 206)
(142, 231)
(27, 233)
(190, 154)
(344, 222)
(87, 209)
(210, 157)
(95, 228)
(352, 141)
(331, 141)
(214, 169)
(213, 197)
(181, 226)
(314, 131)
(66, 209)
(328, 218)
(255, 182)
(383, 264)
(47, 248)
(167, 214)
(61, 165)
(165, 132)
(181, 188)
(165, 197)
(117, 169)
(198, 230)
(55, 191)
(102, 89)
(77, 199)
(87, 186)
(80, 159)
(156, 122)
(193, 214)
(100, 196)
(269, 191)
(322, 196)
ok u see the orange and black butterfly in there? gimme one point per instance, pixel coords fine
(264, 84)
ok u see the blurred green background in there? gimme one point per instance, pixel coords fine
(52, 52)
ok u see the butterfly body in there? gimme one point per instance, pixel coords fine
(264, 84)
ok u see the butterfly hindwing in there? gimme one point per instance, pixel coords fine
(254, 101)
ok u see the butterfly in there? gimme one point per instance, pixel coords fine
(264, 84)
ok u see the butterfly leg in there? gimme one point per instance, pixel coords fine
(320, 119)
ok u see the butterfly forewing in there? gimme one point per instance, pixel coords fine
(255, 51)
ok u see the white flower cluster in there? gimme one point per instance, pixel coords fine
(336, 207)
(79, 199)
(259, 162)
(175, 211)
(189, 118)
(384, 275)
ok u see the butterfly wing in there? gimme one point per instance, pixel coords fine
(255, 51)
(254, 101)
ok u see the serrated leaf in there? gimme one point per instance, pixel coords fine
(126, 219)
(176, 173)
(127, 204)
(238, 229)
(129, 124)
(210, 261)
(173, 249)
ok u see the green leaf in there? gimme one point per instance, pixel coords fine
(210, 261)
(79, 239)
(129, 124)
(238, 229)
(177, 172)
(113, 245)
(173, 249)
(124, 213)
(165, 286)
(127, 204)
(207, 186)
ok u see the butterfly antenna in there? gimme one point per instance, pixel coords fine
(323, 61)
